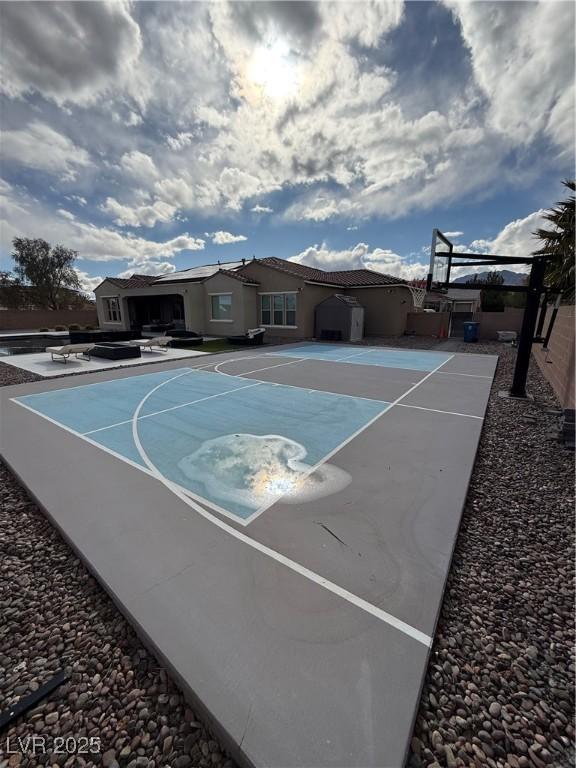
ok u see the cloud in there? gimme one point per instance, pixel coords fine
(522, 56)
(177, 112)
(453, 234)
(181, 140)
(140, 166)
(515, 239)
(361, 256)
(133, 119)
(88, 282)
(67, 52)
(152, 268)
(66, 214)
(40, 147)
(26, 217)
(141, 215)
(321, 208)
(77, 199)
(224, 238)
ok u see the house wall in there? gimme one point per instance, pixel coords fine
(308, 296)
(192, 293)
(557, 362)
(386, 309)
(243, 306)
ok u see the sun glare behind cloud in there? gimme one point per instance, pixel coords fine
(272, 69)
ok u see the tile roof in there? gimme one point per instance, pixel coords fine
(349, 278)
(236, 276)
(346, 278)
(134, 281)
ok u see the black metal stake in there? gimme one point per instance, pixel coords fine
(535, 287)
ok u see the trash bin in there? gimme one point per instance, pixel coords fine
(471, 331)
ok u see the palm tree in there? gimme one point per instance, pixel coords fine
(559, 242)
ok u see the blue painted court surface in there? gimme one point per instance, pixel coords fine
(277, 522)
(235, 444)
(408, 359)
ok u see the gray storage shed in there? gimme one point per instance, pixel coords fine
(339, 318)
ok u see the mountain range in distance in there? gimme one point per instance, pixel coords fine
(510, 278)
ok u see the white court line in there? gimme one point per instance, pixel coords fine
(354, 354)
(306, 389)
(173, 407)
(179, 492)
(416, 634)
(128, 461)
(436, 410)
(470, 375)
(257, 370)
(328, 456)
(352, 362)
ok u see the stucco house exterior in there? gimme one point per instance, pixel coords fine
(227, 299)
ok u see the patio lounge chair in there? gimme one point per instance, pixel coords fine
(161, 342)
(66, 350)
(252, 337)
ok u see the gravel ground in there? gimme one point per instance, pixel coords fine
(498, 690)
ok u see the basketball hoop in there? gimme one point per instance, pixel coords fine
(418, 294)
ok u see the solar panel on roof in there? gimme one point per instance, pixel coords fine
(199, 273)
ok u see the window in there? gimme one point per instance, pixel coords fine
(112, 309)
(221, 306)
(278, 309)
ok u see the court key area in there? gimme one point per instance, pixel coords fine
(278, 525)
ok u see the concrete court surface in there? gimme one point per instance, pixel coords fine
(304, 630)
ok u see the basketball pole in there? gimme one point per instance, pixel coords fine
(535, 288)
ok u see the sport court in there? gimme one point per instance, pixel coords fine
(278, 524)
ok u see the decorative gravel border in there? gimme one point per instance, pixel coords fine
(498, 689)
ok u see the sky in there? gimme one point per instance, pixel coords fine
(154, 136)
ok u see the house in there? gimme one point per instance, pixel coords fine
(227, 299)
(458, 300)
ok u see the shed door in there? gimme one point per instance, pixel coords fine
(357, 324)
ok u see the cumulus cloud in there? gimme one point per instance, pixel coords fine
(152, 268)
(68, 52)
(88, 282)
(40, 147)
(514, 239)
(140, 215)
(25, 217)
(455, 235)
(361, 256)
(140, 166)
(210, 107)
(523, 60)
(224, 238)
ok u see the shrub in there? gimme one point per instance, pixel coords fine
(60, 328)
(89, 328)
(43, 330)
(73, 327)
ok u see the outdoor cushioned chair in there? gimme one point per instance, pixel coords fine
(252, 337)
(161, 342)
(66, 350)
